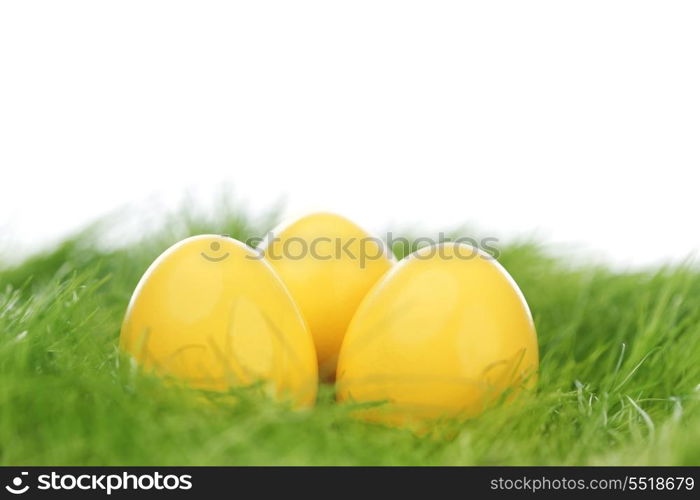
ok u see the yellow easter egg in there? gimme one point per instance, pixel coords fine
(211, 312)
(328, 263)
(444, 334)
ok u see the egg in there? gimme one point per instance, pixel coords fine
(443, 335)
(212, 313)
(328, 263)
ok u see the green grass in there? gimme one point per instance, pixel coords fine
(619, 383)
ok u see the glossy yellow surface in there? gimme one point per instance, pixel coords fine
(328, 263)
(211, 312)
(438, 336)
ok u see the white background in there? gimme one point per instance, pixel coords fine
(578, 122)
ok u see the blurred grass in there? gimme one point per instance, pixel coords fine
(619, 384)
